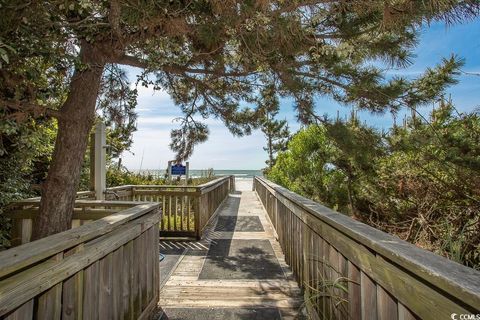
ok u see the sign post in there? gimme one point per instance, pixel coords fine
(169, 171)
(179, 170)
(100, 161)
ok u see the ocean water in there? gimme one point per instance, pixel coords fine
(194, 173)
(237, 173)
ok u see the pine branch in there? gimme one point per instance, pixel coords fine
(18, 109)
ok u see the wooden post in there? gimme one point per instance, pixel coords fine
(169, 171)
(196, 209)
(92, 162)
(100, 161)
(16, 232)
(21, 231)
(187, 172)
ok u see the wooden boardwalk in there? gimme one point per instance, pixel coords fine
(237, 271)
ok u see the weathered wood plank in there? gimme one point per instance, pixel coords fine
(117, 282)
(49, 303)
(147, 312)
(405, 314)
(149, 260)
(164, 192)
(127, 281)
(35, 203)
(29, 253)
(354, 292)
(76, 223)
(142, 254)
(169, 213)
(448, 276)
(136, 294)
(105, 298)
(26, 230)
(27, 284)
(334, 277)
(164, 217)
(343, 303)
(79, 213)
(72, 294)
(384, 273)
(189, 213)
(156, 265)
(175, 213)
(386, 305)
(369, 297)
(182, 212)
(24, 312)
(91, 287)
(388, 275)
(79, 273)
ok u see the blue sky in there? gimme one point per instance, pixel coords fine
(223, 151)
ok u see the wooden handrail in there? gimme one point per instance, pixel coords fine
(107, 268)
(185, 208)
(455, 285)
(212, 195)
(154, 186)
(29, 253)
(215, 181)
(80, 195)
(33, 202)
(206, 187)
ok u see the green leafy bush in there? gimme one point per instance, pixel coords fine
(419, 181)
(25, 151)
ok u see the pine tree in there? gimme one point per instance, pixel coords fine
(276, 131)
(277, 134)
(211, 56)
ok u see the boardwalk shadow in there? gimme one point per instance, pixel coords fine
(229, 258)
(241, 259)
(170, 255)
(223, 313)
(232, 205)
(239, 223)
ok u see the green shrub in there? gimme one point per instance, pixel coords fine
(419, 181)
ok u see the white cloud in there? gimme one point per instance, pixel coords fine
(155, 120)
(221, 151)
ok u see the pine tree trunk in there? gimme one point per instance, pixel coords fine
(351, 201)
(270, 152)
(77, 117)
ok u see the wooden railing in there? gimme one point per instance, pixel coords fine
(106, 269)
(176, 202)
(353, 271)
(24, 212)
(211, 196)
(185, 210)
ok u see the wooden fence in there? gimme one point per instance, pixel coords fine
(185, 210)
(106, 269)
(211, 196)
(23, 212)
(361, 272)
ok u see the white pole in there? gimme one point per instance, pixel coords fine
(169, 171)
(100, 161)
(187, 172)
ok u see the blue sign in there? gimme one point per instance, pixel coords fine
(179, 170)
